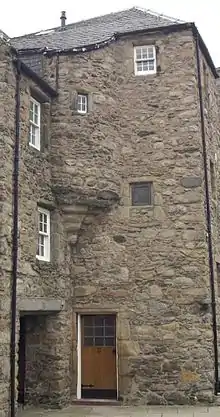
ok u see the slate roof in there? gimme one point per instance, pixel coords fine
(94, 30)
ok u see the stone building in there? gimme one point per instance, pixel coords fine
(116, 253)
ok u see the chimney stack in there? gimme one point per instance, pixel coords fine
(63, 19)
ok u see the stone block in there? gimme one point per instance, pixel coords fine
(40, 305)
(128, 348)
(155, 291)
(84, 290)
(123, 329)
(188, 376)
(191, 182)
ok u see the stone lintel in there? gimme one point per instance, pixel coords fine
(40, 305)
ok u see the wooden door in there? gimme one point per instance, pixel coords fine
(99, 357)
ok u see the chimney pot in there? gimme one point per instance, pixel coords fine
(63, 19)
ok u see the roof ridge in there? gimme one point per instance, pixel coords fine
(161, 15)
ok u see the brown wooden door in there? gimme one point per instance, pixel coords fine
(98, 357)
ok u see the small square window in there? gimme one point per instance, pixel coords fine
(141, 194)
(34, 124)
(145, 60)
(82, 103)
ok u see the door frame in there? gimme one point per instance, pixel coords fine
(21, 361)
(79, 351)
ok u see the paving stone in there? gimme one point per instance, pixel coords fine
(100, 411)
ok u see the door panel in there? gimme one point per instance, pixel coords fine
(98, 357)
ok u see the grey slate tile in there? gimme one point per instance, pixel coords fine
(92, 31)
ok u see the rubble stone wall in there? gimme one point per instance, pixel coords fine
(147, 264)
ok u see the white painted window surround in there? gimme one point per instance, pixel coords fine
(145, 60)
(34, 124)
(43, 248)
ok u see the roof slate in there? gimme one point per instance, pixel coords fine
(94, 30)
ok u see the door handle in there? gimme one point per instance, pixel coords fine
(114, 350)
(87, 386)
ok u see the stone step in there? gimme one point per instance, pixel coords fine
(97, 402)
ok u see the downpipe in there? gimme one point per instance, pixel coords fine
(15, 196)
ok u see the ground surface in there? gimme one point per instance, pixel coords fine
(112, 411)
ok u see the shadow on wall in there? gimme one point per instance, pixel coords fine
(39, 360)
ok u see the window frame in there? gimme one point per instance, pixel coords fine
(136, 61)
(36, 126)
(82, 95)
(46, 256)
(139, 185)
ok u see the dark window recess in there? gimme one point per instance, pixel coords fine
(141, 194)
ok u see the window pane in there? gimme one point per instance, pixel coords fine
(138, 53)
(99, 331)
(33, 135)
(144, 53)
(150, 52)
(88, 341)
(146, 66)
(40, 222)
(36, 118)
(30, 134)
(99, 321)
(31, 112)
(109, 331)
(88, 320)
(109, 341)
(44, 218)
(99, 341)
(141, 194)
(41, 245)
(109, 321)
(151, 65)
(139, 66)
(88, 331)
